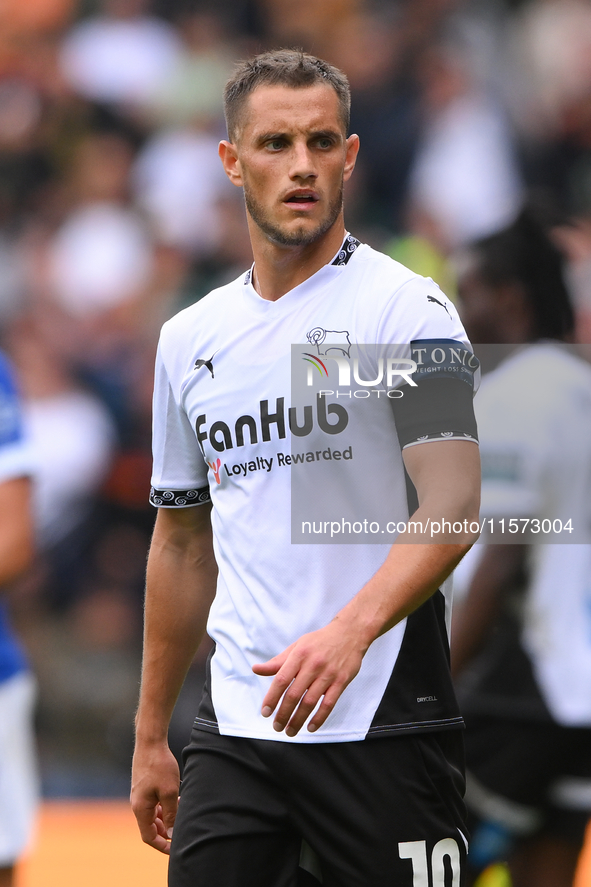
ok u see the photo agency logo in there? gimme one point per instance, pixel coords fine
(409, 392)
(335, 345)
(429, 358)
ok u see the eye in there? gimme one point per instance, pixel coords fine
(324, 142)
(275, 144)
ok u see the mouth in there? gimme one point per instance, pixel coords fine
(301, 199)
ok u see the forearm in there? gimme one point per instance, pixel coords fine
(416, 566)
(409, 576)
(180, 586)
(319, 665)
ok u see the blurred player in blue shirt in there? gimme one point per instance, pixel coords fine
(18, 783)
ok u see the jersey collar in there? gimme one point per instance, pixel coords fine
(348, 247)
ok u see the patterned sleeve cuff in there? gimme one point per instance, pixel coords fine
(441, 435)
(179, 498)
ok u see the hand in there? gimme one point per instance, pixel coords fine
(155, 781)
(317, 666)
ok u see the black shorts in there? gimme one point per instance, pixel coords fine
(376, 812)
(525, 779)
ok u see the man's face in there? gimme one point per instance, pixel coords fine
(291, 157)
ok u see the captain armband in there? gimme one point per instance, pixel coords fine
(440, 406)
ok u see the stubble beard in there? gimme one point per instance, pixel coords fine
(300, 236)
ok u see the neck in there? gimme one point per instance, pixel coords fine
(278, 269)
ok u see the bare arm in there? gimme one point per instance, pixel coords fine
(321, 664)
(16, 528)
(180, 587)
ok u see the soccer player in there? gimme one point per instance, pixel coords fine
(328, 722)
(18, 784)
(527, 696)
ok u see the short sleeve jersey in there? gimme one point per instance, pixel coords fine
(224, 430)
(534, 420)
(15, 461)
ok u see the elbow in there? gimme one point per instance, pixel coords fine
(471, 521)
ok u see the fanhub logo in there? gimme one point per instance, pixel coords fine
(271, 422)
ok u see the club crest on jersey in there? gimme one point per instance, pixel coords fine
(330, 340)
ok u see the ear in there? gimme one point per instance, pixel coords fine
(352, 144)
(229, 157)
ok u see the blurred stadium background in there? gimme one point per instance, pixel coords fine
(114, 214)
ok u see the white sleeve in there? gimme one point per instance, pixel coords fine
(437, 404)
(420, 310)
(179, 474)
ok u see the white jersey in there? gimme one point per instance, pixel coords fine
(534, 420)
(224, 429)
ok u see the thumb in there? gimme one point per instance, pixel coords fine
(169, 804)
(272, 666)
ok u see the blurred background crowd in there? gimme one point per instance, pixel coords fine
(115, 213)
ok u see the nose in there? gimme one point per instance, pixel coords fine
(303, 165)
